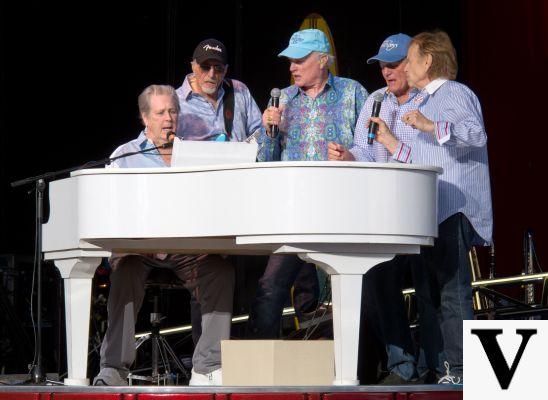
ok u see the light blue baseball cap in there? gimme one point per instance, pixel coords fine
(304, 42)
(394, 48)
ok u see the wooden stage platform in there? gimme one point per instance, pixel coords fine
(416, 392)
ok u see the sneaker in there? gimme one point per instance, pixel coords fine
(109, 377)
(214, 378)
(449, 379)
(394, 379)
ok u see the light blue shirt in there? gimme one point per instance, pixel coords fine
(459, 146)
(200, 120)
(391, 113)
(151, 159)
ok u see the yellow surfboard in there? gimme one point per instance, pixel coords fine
(316, 21)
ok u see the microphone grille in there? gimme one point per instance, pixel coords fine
(379, 97)
(276, 93)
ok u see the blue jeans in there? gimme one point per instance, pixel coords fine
(282, 272)
(443, 288)
(384, 307)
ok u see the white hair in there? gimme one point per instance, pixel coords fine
(330, 58)
(155, 90)
(158, 90)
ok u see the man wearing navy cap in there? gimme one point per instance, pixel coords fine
(319, 108)
(214, 107)
(382, 300)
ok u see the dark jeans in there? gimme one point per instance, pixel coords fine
(383, 307)
(282, 272)
(443, 288)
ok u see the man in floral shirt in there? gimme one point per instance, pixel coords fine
(319, 108)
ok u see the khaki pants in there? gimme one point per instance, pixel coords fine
(210, 278)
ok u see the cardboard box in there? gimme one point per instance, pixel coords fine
(278, 362)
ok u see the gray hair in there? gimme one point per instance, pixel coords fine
(330, 58)
(156, 90)
(444, 57)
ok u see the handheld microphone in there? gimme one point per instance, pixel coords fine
(275, 101)
(373, 126)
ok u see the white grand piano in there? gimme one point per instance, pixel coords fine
(345, 217)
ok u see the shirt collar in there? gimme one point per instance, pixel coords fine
(294, 90)
(412, 93)
(186, 89)
(331, 82)
(143, 141)
(434, 85)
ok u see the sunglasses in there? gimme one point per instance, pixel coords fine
(216, 67)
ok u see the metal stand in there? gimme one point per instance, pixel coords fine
(37, 373)
(161, 351)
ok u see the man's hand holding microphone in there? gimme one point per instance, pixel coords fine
(272, 117)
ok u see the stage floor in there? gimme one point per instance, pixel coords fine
(415, 392)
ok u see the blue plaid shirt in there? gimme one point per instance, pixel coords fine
(200, 120)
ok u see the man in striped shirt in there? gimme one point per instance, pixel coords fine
(452, 136)
(382, 301)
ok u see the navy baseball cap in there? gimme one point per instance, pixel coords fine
(394, 48)
(210, 49)
(304, 42)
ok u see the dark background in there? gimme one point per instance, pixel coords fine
(71, 73)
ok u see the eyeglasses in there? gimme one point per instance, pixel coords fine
(216, 67)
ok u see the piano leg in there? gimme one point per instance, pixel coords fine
(77, 274)
(346, 272)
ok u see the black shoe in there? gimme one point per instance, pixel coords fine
(394, 379)
(109, 377)
(429, 378)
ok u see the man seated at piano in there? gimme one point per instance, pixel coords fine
(209, 278)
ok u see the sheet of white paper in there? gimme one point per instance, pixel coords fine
(187, 153)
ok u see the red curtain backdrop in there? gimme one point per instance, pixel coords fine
(504, 60)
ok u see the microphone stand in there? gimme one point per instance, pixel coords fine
(37, 374)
